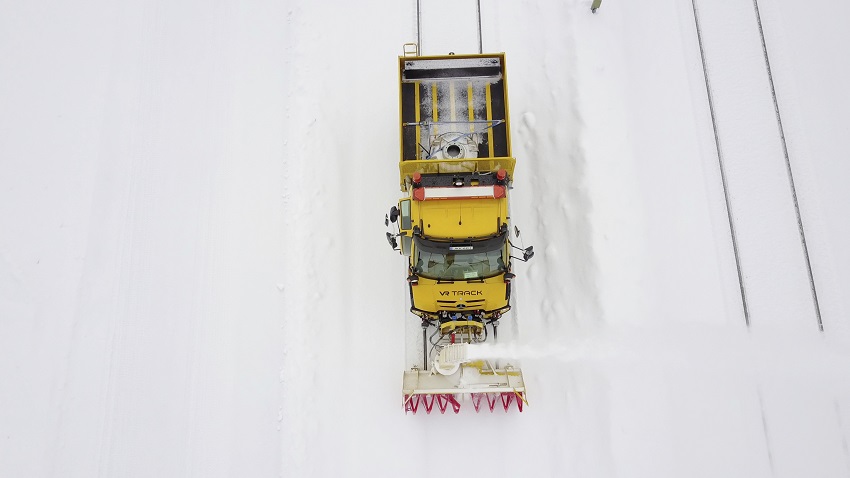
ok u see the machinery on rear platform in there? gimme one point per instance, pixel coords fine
(453, 226)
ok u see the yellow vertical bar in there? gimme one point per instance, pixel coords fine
(434, 113)
(418, 128)
(489, 121)
(507, 107)
(469, 107)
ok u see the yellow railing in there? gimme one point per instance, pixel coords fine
(469, 165)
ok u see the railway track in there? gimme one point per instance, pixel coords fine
(423, 26)
(460, 10)
(724, 175)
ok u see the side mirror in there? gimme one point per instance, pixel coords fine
(393, 214)
(392, 241)
(528, 253)
(516, 231)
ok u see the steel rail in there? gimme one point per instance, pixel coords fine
(789, 171)
(419, 27)
(722, 167)
(480, 43)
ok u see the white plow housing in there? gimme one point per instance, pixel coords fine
(454, 374)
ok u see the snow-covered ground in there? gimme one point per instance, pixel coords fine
(194, 280)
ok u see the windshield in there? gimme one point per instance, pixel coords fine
(460, 261)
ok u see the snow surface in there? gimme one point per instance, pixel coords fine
(194, 280)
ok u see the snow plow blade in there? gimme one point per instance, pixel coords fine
(477, 381)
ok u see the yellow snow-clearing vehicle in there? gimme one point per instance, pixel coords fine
(453, 226)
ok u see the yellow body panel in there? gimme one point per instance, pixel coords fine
(431, 296)
(460, 218)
